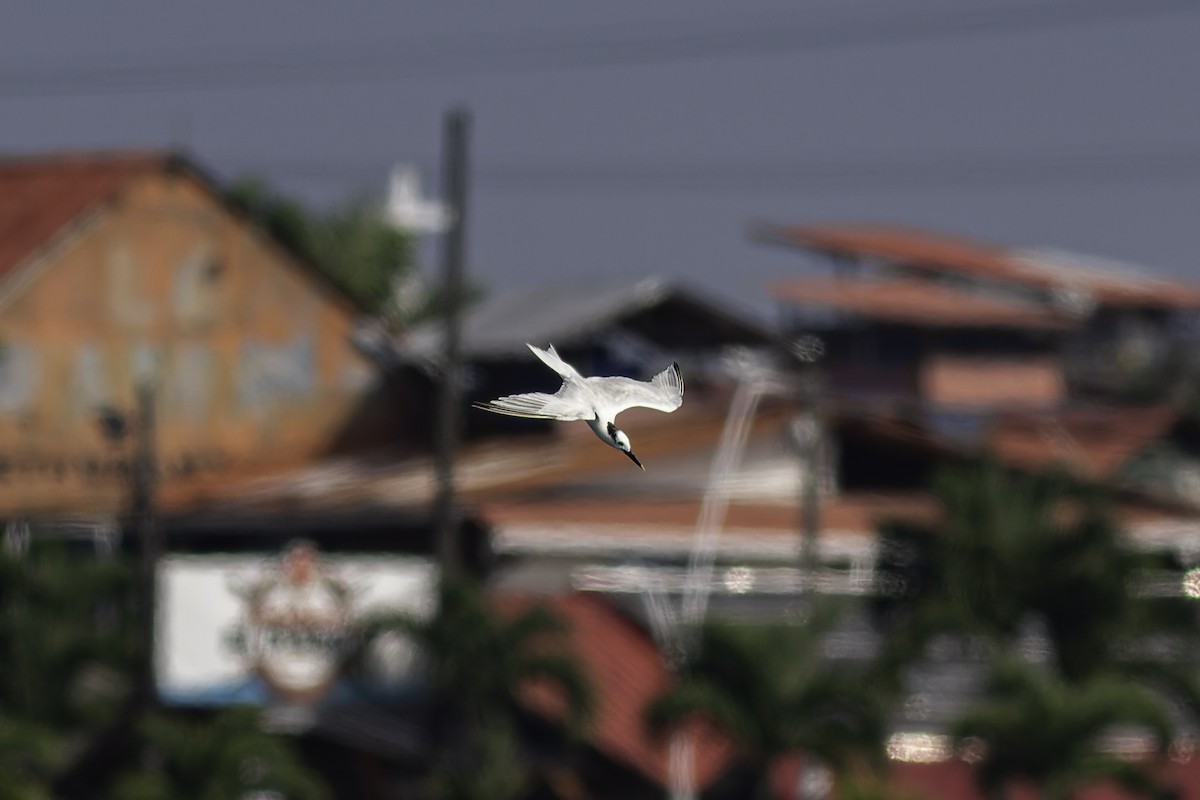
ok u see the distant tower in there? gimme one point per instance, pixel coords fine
(408, 211)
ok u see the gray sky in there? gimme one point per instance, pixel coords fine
(626, 138)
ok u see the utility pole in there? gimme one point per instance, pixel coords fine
(454, 183)
(808, 438)
(144, 478)
(811, 501)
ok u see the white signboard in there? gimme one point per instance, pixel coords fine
(278, 628)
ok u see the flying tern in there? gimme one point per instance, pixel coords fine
(597, 400)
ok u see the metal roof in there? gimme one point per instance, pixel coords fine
(1097, 280)
(504, 322)
(908, 301)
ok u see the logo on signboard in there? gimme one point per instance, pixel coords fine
(296, 625)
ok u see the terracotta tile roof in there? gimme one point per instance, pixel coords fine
(916, 249)
(911, 301)
(626, 672)
(504, 469)
(1094, 442)
(42, 196)
(955, 780)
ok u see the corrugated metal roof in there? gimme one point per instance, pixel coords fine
(909, 301)
(41, 197)
(1045, 270)
(501, 324)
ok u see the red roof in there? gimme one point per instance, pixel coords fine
(914, 302)
(41, 197)
(955, 780)
(627, 672)
(1094, 442)
(920, 250)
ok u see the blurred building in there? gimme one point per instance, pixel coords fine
(124, 269)
(130, 275)
(1126, 331)
(907, 344)
(634, 328)
(920, 373)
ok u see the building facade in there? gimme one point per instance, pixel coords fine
(127, 270)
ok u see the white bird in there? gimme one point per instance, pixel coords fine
(597, 400)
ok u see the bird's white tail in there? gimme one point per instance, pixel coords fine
(551, 359)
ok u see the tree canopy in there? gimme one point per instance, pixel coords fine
(1014, 549)
(361, 253)
(477, 662)
(769, 688)
(69, 654)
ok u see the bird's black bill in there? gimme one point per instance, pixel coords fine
(634, 459)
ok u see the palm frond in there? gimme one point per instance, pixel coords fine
(699, 698)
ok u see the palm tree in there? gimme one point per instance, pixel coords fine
(67, 652)
(477, 663)
(768, 688)
(30, 755)
(66, 641)
(359, 251)
(976, 571)
(1035, 726)
(1013, 548)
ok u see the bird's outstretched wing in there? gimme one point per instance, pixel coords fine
(553, 360)
(537, 405)
(663, 392)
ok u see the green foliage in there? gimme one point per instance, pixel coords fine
(67, 650)
(1013, 548)
(228, 756)
(489, 766)
(976, 571)
(67, 635)
(1041, 728)
(30, 756)
(769, 689)
(360, 253)
(69, 654)
(477, 660)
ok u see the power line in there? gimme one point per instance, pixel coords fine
(577, 49)
(1032, 168)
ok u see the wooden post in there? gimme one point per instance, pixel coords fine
(450, 394)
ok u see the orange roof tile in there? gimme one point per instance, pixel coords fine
(503, 469)
(42, 196)
(923, 250)
(914, 302)
(1095, 442)
(627, 672)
